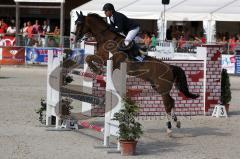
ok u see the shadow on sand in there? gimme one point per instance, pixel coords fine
(5, 77)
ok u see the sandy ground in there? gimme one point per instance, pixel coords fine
(22, 137)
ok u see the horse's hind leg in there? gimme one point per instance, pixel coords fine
(168, 103)
(171, 110)
(174, 117)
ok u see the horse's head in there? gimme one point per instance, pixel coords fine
(81, 27)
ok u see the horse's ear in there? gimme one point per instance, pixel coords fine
(81, 13)
(77, 13)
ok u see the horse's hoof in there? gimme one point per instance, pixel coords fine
(178, 125)
(169, 125)
(169, 132)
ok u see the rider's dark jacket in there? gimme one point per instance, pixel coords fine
(122, 24)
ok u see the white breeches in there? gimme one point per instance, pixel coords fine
(131, 35)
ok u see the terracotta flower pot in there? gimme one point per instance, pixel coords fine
(128, 148)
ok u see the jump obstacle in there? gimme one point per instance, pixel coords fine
(115, 89)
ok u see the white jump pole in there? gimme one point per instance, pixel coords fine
(115, 87)
(54, 81)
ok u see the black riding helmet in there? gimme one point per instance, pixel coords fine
(108, 7)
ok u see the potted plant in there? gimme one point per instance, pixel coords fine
(225, 89)
(129, 129)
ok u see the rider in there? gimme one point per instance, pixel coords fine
(123, 25)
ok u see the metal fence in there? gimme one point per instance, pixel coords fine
(43, 41)
(68, 42)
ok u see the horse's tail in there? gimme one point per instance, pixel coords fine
(181, 82)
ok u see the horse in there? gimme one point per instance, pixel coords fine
(161, 75)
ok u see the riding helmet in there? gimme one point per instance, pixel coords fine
(108, 7)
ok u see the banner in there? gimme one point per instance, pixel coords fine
(36, 55)
(163, 50)
(12, 55)
(40, 55)
(237, 64)
(228, 63)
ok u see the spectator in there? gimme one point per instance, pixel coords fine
(29, 32)
(232, 44)
(46, 27)
(36, 27)
(24, 33)
(11, 30)
(44, 34)
(4, 26)
(181, 42)
(203, 39)
(2, 41)
(153, 42)
(2, 31)
(41, 39)
(56, 31)
(147, 40)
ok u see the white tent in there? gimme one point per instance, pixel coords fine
(208, 11)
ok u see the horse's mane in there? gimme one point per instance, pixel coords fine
(100, 19)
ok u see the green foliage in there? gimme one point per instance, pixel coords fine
(67, 79)
(66, 107)
(41, 110)
(225, 88)
(129, 128)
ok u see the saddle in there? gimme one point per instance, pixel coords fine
(133, 50)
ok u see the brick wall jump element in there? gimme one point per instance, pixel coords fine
(150, 102)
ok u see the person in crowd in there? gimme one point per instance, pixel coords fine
(29, 32)
(147, 40)
(153, 42)
(24, 33)
(56, 34)
(197, 41)
(11, 30)
(36, 26)
(203, 38)
(181, 42)
(44, 33)
(42, 37)
(232, 43)
(120, 23)
(2, 30)
(4, 25)
(46, 27)
(56, 31)
(2, 41)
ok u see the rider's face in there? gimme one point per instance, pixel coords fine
(108, 13)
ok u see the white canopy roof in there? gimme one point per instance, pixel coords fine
(177, 10)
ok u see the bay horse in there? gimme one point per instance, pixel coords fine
(160, 75)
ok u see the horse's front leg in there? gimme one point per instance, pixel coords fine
(95, 63)
(117, 59)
